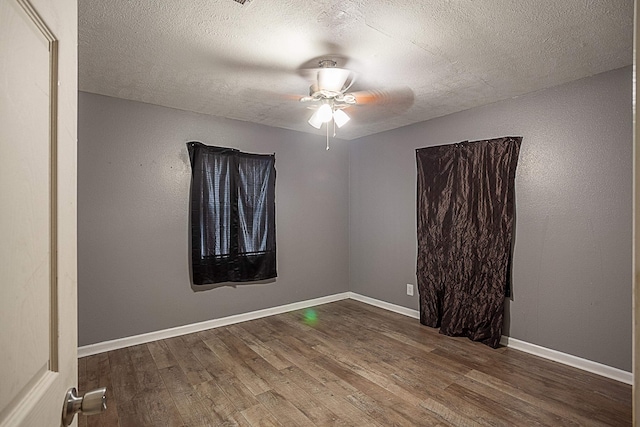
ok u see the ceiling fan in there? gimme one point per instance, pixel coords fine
(329, 94)
(334, 94)
(328, 91)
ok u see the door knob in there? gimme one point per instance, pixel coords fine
(90, 403)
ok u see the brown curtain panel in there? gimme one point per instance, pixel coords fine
(465, 212)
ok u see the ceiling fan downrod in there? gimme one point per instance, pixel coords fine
(327, 63)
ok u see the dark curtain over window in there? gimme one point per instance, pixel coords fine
(233, 215)
(465, 211)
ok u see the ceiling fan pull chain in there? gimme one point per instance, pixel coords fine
(327, 136)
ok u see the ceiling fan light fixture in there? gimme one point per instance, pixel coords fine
(324, 113)
(315, 120)
(321, 115)
(340, 118)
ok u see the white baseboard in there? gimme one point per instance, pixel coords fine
(546, 353)
(536, 350)
(101, 347)
(570, 360)
(385, 305)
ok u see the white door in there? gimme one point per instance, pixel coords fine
(38, 132)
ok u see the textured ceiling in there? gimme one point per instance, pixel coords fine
(239, 61)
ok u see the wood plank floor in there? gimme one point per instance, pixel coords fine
(342, 364)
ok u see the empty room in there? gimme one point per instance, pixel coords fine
(331, 212)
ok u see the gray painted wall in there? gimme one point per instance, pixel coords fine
(346, 218)
(572, 259)
(133, 195)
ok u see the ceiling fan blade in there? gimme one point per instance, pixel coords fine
(380, 104)
(399, 96)
(237, 65)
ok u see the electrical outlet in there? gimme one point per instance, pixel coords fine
(409, 289)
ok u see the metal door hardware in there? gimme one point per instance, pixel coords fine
(90, 403)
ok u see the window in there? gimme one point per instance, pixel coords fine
(233, 228)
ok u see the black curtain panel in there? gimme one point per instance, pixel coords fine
(465, 215)
(233, 221)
